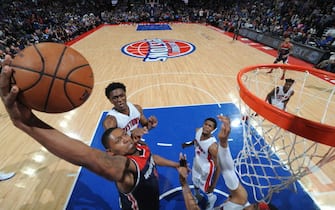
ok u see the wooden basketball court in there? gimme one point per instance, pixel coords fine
(202, 76)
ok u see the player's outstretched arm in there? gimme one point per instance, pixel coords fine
(224, 131)
(183, 170)
(71, 150)
(269, 95)
(213, 150)
(159, 160)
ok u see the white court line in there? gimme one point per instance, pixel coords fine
(164, 144)
(169, 73)
(176, 189)
(174, 85)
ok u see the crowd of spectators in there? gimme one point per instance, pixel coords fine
(25, 22)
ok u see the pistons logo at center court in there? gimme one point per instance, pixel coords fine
(158, 49)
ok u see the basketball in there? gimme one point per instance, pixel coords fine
(52, 77)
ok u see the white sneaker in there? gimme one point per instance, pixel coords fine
(211, 202)
(5, 176)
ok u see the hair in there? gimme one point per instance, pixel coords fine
(112, 86)
(289, 80)
(105, 137)
(212, 120)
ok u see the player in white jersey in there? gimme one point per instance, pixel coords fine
(124, 114)
(238, 198)
(280, 95)
(205, 172)
(124, 121)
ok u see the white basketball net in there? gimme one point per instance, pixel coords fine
(273, 159)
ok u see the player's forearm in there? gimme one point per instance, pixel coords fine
(216, 177)
(217, 171)
(59, 144)
(109, 122)
(165, 162)
(76, 152)
(190, 202)
(223, 137)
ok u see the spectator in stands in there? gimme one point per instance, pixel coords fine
(328, 64)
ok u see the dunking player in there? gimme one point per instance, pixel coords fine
(280, 95)
(130, 165)
(238, 198)
(205, 170)
(284, 50)
(124, 114)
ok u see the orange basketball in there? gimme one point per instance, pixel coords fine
(52, 77)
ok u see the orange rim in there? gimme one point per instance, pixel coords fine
(308, 129)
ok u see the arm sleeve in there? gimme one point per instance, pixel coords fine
(227, 168)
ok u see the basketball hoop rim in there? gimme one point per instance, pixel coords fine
(308, 129)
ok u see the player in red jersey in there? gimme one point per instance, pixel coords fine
(284, 50)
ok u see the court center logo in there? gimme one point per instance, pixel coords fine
(158, 49)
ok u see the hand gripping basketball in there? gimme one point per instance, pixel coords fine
(52, 77)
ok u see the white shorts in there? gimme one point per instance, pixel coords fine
(201, 176)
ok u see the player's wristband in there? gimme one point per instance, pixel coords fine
(182, 163)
